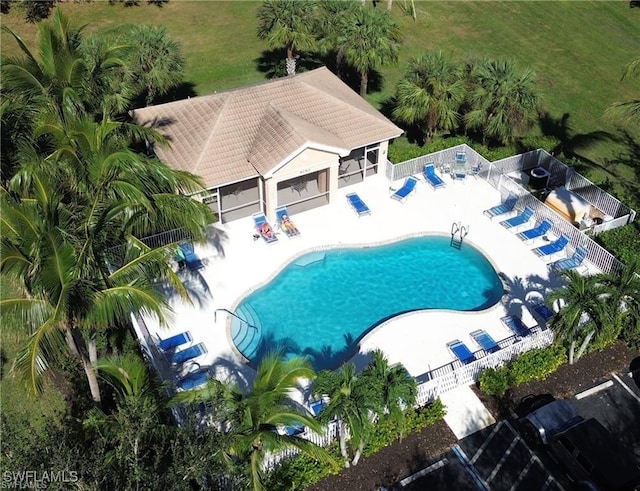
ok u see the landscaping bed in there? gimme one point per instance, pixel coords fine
(411, 454)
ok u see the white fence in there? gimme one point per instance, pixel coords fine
(496, 174)
(430, 390)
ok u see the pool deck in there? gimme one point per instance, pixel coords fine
(236, 264)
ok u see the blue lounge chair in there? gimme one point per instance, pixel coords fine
(508, 205)
(193, 380)
(407, 188)
(174, 341)
(515, 324)
(431, 176)
(461, 352)
(263, 228)
(285, 223)
(538, 231)
(484, 340)
(188, 354)
(543, 311)
(553, 247)
(521, 219)
(317, 406)
(573, 262)
(191, 259)
(358, 205)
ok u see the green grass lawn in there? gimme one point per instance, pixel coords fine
(578, 49)
(29, 414)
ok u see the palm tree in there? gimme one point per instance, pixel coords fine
(155, 63)
(397, 389)
(255, 419)
(60, 78)
(368, 39)
(134, 432)
(584, 313)
(287, 24)
(63, 303)
(625, 292)
(72, 221)
(629, 110)
(430, 94)
(352, 402)
(504, 103)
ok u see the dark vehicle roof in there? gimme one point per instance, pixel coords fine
(555, 416)
(613, 466)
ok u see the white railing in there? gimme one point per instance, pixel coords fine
(468, 374)
(430, 390)
(495, 173)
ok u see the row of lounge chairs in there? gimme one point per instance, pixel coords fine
(177, 352)
(484, 340)
(539, 230)
(283, 222)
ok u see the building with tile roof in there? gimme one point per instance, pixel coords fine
(291, 141)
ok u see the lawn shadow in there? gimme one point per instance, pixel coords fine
(273, 63)
(570, 143)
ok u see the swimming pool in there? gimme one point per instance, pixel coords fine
(322, 303)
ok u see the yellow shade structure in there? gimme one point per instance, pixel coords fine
(571, 206)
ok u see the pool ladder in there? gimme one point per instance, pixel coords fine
(459, 230)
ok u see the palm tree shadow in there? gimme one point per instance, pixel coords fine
(230, 369)
(570, 143)
(351, 77)
(195, 285)
(274, 65)
(216, 238)
(523, 292)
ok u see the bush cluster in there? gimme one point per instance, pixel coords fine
(532, 365)
(302, 471)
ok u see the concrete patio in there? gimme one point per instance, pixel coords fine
(236, 264)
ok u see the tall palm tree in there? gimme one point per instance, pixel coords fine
(63, 303)
(368, 39)
(155, 62)
(288, 24)
(84, 209)
(255, 419)
(625, 293)
(430, 94)
(584, 313)
(135, 431)
(60, 77)
(629, 110)
(397, 389)
(504, 103)
(352, 402)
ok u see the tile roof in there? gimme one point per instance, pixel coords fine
(234, 135)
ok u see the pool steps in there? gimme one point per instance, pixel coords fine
(246, 335)
(307, 259)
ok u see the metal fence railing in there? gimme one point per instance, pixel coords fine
(438, 381)
(497, 175)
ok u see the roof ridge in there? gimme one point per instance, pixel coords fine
(378, 115)
(205, 144)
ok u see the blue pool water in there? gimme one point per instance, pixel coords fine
(322, 303)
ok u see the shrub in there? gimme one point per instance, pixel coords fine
(495, 382)
(532, 365)
(548, 143)
(386, 431)
(400, 150)
(623, 242)
(302, 471)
